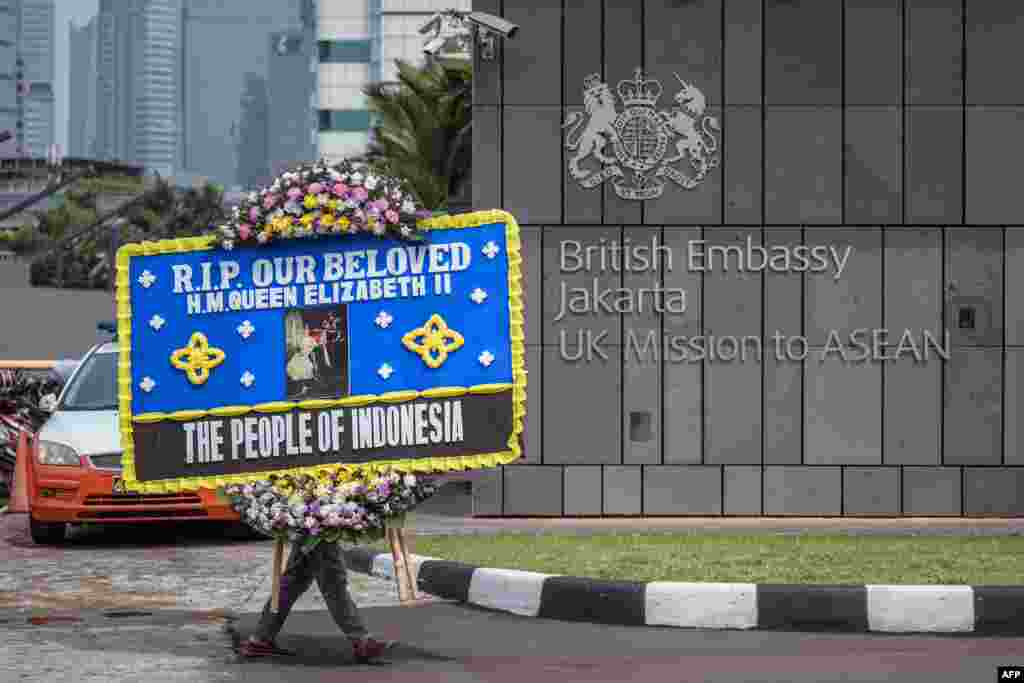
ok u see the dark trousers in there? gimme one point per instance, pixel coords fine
(326, 564)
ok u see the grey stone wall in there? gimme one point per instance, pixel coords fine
(893, 126)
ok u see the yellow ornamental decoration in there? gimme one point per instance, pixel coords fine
(197, 358)
(437, 338)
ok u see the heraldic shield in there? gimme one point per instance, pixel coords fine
(643, 142)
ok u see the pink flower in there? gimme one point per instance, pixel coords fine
(316, 188)
(391, 215)
(294, 193)
(340, 189)
(254, 214)
(360, 194)
(381, 204)
(244, 231)
(269, 201)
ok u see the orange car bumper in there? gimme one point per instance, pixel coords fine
(65, 494)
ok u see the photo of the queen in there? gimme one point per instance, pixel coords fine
(316, 353)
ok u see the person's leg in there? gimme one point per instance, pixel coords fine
(332, 577)
(296, 580)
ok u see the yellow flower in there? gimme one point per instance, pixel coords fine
(311, 202)
(332, 204)
(343, 221)
(307, 218)
(327, 219)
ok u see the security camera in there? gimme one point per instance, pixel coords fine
(432, 26)
(434, 45)
(506, 29)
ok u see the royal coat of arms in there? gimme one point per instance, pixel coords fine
(641, 137)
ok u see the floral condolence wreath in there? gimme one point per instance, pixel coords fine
(320, 199)
(329, 508)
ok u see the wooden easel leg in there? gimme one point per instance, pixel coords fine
(403, 544)
(275, 583)
(400, 565)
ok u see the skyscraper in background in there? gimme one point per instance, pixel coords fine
(224, 41)
(359, 41)
(290, 87)
(116, 28)
(253, 169)
(82, 76)
(139, 83)
(9, 76)
(158, 71)
(35, 45)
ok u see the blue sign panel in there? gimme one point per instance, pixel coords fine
(326, 352)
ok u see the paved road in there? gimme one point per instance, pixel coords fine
(159, 606)
(147, 605)
(458, 644)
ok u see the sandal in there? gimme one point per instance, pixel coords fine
(259, 648)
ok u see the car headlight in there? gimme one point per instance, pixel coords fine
(53, 453)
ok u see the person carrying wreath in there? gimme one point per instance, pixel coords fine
(325, 564)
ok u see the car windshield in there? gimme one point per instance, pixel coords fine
(95, 385)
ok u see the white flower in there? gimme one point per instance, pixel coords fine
(490, 249)
(383, 319)
(406, 231)
(478, 295)
(409, 480)
(247, 379)
(261, 237)
(246, 329)
(156, 322)
(486, 358)
(253, 197)
(228, 245)
(146, 279)
(385, 371)
(147, 384)
(408, 207)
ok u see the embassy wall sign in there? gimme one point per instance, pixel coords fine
(339, 352)
(644, 142)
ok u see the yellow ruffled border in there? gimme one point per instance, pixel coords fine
(422, 465)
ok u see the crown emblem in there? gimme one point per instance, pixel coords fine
(639, 92)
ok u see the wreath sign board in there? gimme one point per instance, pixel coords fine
(339, 352)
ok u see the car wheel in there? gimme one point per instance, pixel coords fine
(46, 533)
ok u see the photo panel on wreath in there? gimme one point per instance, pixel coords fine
(316, 353)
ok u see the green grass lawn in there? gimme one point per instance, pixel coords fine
(729, 558)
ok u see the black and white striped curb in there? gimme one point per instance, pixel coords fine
(983, 610)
